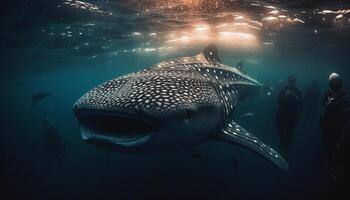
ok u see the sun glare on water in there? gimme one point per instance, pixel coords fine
(229, 35)
(166, 25)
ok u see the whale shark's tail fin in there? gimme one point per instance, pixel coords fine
(235, 134)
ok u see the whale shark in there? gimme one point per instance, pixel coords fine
(174, 104)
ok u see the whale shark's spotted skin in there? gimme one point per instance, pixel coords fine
(180, 84)
(171, 84)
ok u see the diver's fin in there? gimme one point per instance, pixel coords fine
(235, 134)
(210, 53)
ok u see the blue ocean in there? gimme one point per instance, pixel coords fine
(54, 51)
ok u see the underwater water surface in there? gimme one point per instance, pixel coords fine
(52, 52)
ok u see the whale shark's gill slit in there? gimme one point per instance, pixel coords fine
(116, 125)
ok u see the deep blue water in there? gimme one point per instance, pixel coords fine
(37, 55)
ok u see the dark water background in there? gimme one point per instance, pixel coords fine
(32, 61)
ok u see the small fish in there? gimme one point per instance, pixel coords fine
(270, 90)
(39, 96)
(249, 114)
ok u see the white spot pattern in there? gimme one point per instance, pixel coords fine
(170, 86)
(243, 137)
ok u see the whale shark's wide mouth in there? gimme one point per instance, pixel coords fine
(124, 130)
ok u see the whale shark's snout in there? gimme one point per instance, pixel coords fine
(109, 129)
(108, 122)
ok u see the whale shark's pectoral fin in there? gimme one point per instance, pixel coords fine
(235, 134)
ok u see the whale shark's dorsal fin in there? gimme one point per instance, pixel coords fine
(210, 53)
